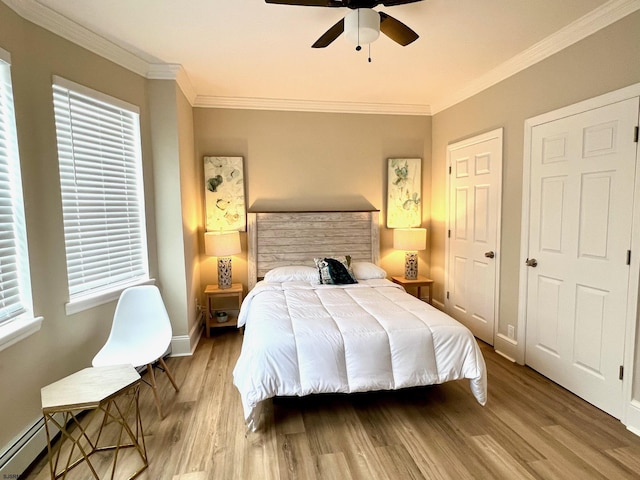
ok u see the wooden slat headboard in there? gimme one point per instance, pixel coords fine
(296, 238)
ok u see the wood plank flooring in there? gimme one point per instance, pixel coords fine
(530, 429)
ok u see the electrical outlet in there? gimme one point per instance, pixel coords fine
(511, 332)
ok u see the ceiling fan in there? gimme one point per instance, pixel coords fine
(362, 24)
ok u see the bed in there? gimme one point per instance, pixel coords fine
(306, 337)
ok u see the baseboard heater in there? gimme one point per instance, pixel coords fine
(26, 449)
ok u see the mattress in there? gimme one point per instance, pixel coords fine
(304, 338)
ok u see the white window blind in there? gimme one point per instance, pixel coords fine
(102, 196)
(15, 285)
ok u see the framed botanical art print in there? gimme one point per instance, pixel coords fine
(404, 199)
(224, 194)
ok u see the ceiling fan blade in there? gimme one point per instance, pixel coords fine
(330, 35)
(308, 3)
(396, 30)
(391, 3)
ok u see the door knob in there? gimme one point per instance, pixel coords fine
(489, 254)
(531, 262)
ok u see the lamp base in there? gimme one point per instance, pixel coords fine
(411, 265)
(224, 272)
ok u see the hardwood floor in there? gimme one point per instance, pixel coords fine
(529, 429)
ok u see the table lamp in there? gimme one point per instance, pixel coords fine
(222, 245)
(411, 240)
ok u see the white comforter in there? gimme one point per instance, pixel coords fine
(302, 338)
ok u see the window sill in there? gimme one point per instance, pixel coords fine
(85, 303)
(18, 329)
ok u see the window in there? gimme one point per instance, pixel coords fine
(15, 287)
(16, 310)
(100, 166)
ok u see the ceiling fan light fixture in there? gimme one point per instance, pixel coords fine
(362, 26)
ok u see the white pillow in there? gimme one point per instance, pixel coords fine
(292, 273)
(367, 271)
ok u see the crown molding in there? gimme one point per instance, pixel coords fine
(246, 103)
(163, 71)
(173, 71)
(595, 20)
(64, 27)
(589, 24)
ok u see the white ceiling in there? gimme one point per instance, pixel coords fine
(249, 54)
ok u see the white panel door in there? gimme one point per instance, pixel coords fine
(582, 184)
(474, 223)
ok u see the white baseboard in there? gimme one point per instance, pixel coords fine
(509, 348)
(504, 355)
(635, 431)
(632, 417)
(437, 304)
(180, 346)
(185, 345)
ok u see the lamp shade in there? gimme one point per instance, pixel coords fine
(222, 244)
(411, 239)
(362, 26)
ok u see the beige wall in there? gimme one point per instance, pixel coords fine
(177, 204)
(64, 344)
(605, 61)
(168, 200)
(295, 160)
(192, 197)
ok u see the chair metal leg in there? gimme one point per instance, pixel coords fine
(168, 372)
(154, 387)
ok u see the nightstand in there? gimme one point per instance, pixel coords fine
(418, 283)
(232, 301)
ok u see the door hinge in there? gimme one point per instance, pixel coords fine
(628, 257)
(450, 165)
(447, 295)
(449, 233)
(621, 373)
(635, 139)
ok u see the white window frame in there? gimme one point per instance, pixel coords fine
(96, 176)
(19, 322)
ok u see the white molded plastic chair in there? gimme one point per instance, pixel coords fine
(140, 334)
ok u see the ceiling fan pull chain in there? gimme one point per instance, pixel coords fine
(358, 47)
(369, 53)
